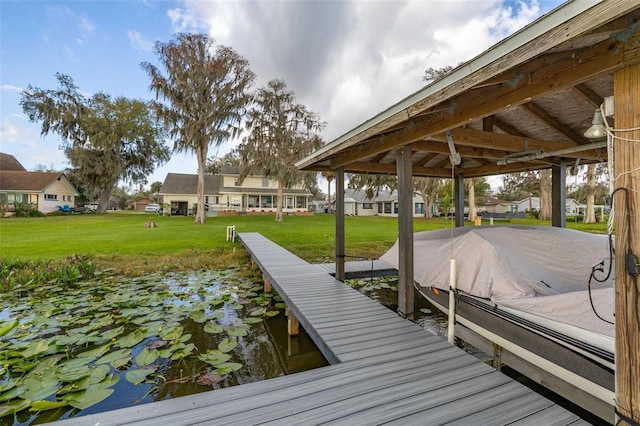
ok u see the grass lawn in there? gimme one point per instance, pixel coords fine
(120, 240)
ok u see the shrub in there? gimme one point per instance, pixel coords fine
(26, 210)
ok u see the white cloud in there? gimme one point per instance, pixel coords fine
(11, 87)
(349, 60)
(15, 133)
(138, 42)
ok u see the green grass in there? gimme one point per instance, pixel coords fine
(120, 240)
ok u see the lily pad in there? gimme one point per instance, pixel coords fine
(39, 388)
(130, 339)
(86, 398)
(13, 407)
(252, 320)
(171, 333)
(227, 367)
(44, 405)
(112, 356)
(114, 332)
(147, 356)
(236, 330)
(213, 327)
(214, 357)
(138, 376)
(6, 327)
(227, 345)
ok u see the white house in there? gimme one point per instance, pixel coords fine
(44, 191)
(226, 194)
(385, 203)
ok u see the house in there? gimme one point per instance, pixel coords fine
(226, 194)
(385, 203)
(529, 204)
(44, 191)
(496, 205)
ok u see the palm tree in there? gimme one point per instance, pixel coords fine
(329, 177)
(206, 92)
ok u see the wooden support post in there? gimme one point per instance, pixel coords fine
(293, 326)
(405, 232)
(340, 241)
(559, 195)
(254, 265)
(626, 84)
(267, 284)
(497, 357)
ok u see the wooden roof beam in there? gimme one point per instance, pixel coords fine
(390, 169)
(553, 122)
(588, 95)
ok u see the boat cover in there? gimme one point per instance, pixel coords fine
(517, 266)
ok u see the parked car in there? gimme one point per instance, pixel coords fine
(152, 208)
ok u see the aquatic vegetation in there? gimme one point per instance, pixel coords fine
(65, 344)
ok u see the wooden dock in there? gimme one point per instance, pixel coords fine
(384, 369)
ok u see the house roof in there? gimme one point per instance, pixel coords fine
(21, 181)
(179, 183)
(523, 104)
(9, 162)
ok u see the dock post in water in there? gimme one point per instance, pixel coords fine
(293, 326)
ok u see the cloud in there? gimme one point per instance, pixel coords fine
(11, 87)
(14, 133)
(138, 42)
(349, 60)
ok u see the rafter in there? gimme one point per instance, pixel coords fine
(588, 95)
(553, 122)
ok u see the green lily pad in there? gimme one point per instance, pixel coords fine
(138, 376)
(227, 367)
(171, 333)
(13, 407)
(257, 312)
(147, 356)
(198, 316)
(252, 320)
(270, 314)
(35, 348)
(6, 327)
(130, 339)
(227, 345)
(39, 388)
(66, 374)
(183, 351)
(237, 330)
(86, 398)
(44, 405)
(214, 357)
(213, 327)
(75, 386)
(13, 393)
(112, 356)
(114, 332)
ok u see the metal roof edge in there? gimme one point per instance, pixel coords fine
(543, 24)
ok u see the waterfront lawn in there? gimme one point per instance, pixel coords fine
(120, 240)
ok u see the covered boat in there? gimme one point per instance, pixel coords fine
(539, 299)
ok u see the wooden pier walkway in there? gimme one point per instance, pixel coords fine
(384, 369)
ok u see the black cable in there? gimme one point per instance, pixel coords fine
(598, 267)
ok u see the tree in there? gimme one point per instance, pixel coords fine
(590, 214)
(372, 184)
(215, 164)
(105, 139)
(429, 189)
(281, 132)
(155, 187)
(545, 194)
(206, 95)
(329, 177)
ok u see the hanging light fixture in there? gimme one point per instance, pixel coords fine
(597, 129)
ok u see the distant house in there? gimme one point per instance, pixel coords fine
(496, 205)
(529, 204)
(226, 193)
(44, 191)
(385, 203)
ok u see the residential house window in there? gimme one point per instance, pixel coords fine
(367, 206)
(419, 208)
(267, 201)
(253, 201)
(387, 208)
(265, 183)
(380, 208)
(301, 202)
(51, 197)
(395, 208)
(237, 182)
(212, 199)
(289, 203)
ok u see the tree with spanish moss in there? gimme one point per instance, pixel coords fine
(205, 94)
(280, 132)
(105, 139)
